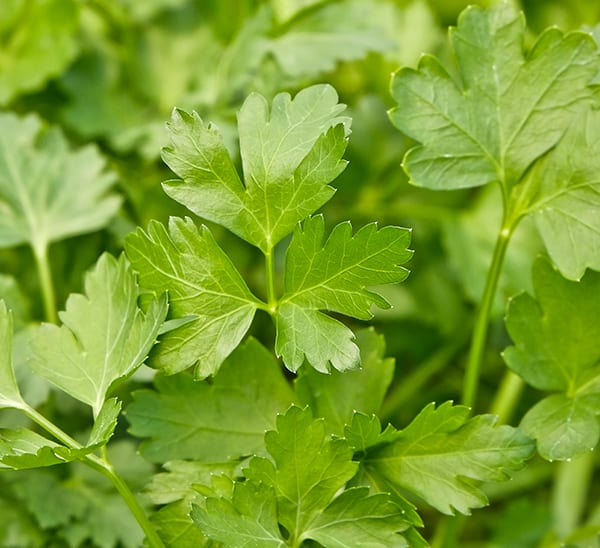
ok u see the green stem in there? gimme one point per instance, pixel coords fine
(507, 397)
(480, 329)
(270, 269)
(104, 467)
(571, 485)
(40, 253)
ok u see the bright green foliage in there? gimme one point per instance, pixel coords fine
(297, 487)
(23, 448)
(104, 337)
(216, 421)
(9, 391)
(363, 389)
(15, 300)
(204, 287)
(29, 29)
(557, 349)
(443, 456)
(508, 110)
(48, 192)
(288, 158)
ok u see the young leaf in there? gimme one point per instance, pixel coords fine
(334, 276)
(509, 109)
(289, 156)
(9, 391)
(104, 337)
(363, 389)
(442, 456)
(204, 287)
(48, 192)
(557, 348)
(211, 422)
(22, 448)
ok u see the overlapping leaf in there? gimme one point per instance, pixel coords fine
(334, 276)
(298, 488)
(289, 154)
(443, 456)
(212, 422)
(48, 192)
(205, 291)
(557, 349)
(104, 336)
(506, 109)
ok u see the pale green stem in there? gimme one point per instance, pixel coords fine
(507, 397)
(478, 340)
(40, 253)
(571, 485)
(104, 467)
(270, 269)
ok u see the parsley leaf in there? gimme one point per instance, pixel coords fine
(443, 456)
(334, 276)
(205, 290)
(215, 421)
(9, 391)
(557, 349)
(289, 155)
(84, 357)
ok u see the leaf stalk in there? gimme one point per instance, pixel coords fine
(40, 253)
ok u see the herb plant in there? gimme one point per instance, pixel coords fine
(272, 415)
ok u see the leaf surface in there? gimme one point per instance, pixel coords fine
(48, 192)
(503, 110)
(104, 337)
(205, 289)
(289, 152)
(9, 391)
(216, 421)
(443, 456)
(557, 349)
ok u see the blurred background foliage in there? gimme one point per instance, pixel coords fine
(109, 72)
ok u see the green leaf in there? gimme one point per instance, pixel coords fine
(105, 337)
(38, 42)
(9, 391)
(307, 470)
(363, 389)
(564, 427)
(334, 276)
(176, 528)
(356, 519)
(203, 285)
(216, 421)
(443, 456)
(557, 349)
(105, 423)
(289, 155)
(22, 448)
(48, 192)
(248, 520)
(504, 109)
(15, 301)
(567, 197)
(364, 432)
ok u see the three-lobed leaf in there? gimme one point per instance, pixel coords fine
(289, 153)
(104, 337)
(557, 349)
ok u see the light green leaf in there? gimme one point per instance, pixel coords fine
(176, 528)
(105, 337)
(216, 421)
(363, 389)
(15, 301)
(203, 285)
(364, 432)
(339, 31)
(9, 391)
(557, 348)
(48, 192)
(105, 423)
(356, 519)
(443, 457)
(307, 470)
(504, 110)
(289, 155)
(564, 427)
(21, 449)
(567, 197)
(38, 42)
(334, 276)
